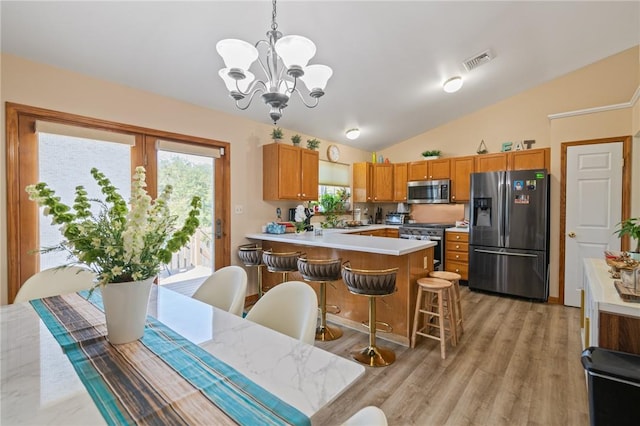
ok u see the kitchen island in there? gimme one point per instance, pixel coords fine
(413, 258)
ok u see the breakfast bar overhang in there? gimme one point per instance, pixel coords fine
(413, 258)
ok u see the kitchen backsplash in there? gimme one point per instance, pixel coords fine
(437, 213)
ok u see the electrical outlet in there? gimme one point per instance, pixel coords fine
(239, 209)
(426, 262)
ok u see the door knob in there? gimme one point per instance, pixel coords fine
(571, 234)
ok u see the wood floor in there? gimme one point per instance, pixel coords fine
(518, 363)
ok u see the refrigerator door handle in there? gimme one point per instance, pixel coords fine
(504, 253)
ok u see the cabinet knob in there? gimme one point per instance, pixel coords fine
(304, 195)
(453, 197)
(457, 246)
(457, 237)
(457, 256)
(457, 270)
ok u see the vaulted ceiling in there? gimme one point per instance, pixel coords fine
(389, 58)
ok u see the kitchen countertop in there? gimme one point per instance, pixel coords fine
(340, 239)
(457, 229)
(604, 292)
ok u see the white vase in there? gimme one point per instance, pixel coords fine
(125, 309)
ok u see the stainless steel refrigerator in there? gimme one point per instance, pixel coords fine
(509, 233)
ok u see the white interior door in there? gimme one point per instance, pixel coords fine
(593, 208)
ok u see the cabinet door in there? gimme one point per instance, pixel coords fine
(392, 233)
(439, 169)
(418, 170)
(530, 159)
(289, 171)
(382, 182)
(361, 182)
(309, 163)
(400, 182)
(491, 162)
(461, 169)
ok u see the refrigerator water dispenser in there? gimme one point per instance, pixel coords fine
(482, 212)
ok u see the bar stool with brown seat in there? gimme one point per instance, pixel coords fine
(434, 302)
(322, 271)
(283, 262)
(373, 284)
(457, 304)
(251, 256)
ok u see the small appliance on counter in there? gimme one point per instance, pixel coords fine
(396, 218)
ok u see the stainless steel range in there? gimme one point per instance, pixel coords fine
(428, 231)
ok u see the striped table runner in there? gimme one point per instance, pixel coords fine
(161, 379)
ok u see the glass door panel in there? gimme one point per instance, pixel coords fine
(65, 162)
(190, 175)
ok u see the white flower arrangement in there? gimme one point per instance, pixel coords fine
(119, 244)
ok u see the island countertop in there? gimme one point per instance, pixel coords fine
(342, 240)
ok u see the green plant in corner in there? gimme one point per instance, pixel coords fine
(296, 139)
(313, 143)
(432, 153)
(276, 134)
(630, 227)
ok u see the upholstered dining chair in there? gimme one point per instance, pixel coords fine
(368, 416)
(54, 282)
(290, 308)
(226, 289)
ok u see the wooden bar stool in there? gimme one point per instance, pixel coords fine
(457, 304)
(251, 256)
(373, 284)
(283, 263)
(436, 291)
(322, 271)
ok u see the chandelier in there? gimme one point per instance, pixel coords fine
(285, 63)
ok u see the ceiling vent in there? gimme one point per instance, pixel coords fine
(477, 60)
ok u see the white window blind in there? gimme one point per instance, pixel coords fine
(335, 174)
(84, 132)
(184, 148)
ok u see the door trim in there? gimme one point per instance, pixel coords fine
(626, 196)
(19, 270)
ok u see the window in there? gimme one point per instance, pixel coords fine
(333, 178)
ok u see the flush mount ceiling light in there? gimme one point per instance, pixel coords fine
(452, 85)
(353, 134)
(285, 61)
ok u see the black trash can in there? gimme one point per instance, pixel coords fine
(614, 387)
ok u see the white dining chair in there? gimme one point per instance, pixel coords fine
(54, 282)
(290, 308)
(226, 289)
(368, 416)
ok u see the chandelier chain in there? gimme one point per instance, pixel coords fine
(274, 24)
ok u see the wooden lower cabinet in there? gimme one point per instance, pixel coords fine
(456, 254)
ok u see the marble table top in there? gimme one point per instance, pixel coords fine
(39, 385)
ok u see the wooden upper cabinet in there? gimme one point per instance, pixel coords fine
(400, 171)
(530, 159)
(461, 169)
(429, 169)
(491, 162)
(361, 182)
(382, 184)
(289, 173)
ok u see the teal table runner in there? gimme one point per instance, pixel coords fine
(161, 379)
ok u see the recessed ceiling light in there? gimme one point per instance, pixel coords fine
(353, 134)
(452, 85)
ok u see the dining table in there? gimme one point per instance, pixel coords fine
(40, 385)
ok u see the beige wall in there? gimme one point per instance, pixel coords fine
(611, 81)
(39, 85)
(525, 116)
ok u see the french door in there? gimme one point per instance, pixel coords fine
(60, 149)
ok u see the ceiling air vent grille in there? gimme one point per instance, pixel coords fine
(477, 60)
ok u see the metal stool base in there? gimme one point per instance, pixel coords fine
(328, 333)
(373, 356)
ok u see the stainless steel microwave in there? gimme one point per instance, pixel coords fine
(428, 191)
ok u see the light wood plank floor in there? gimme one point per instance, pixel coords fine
(518, 363)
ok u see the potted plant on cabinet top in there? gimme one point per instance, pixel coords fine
(631, 227)
(125, 245)
(431, 154)
(313, 143)
(276, 134)
(296, 139)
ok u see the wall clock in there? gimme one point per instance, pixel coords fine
(333, 153)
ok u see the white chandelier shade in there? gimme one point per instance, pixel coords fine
(295, 51)
(285, 61)
(237, 53)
